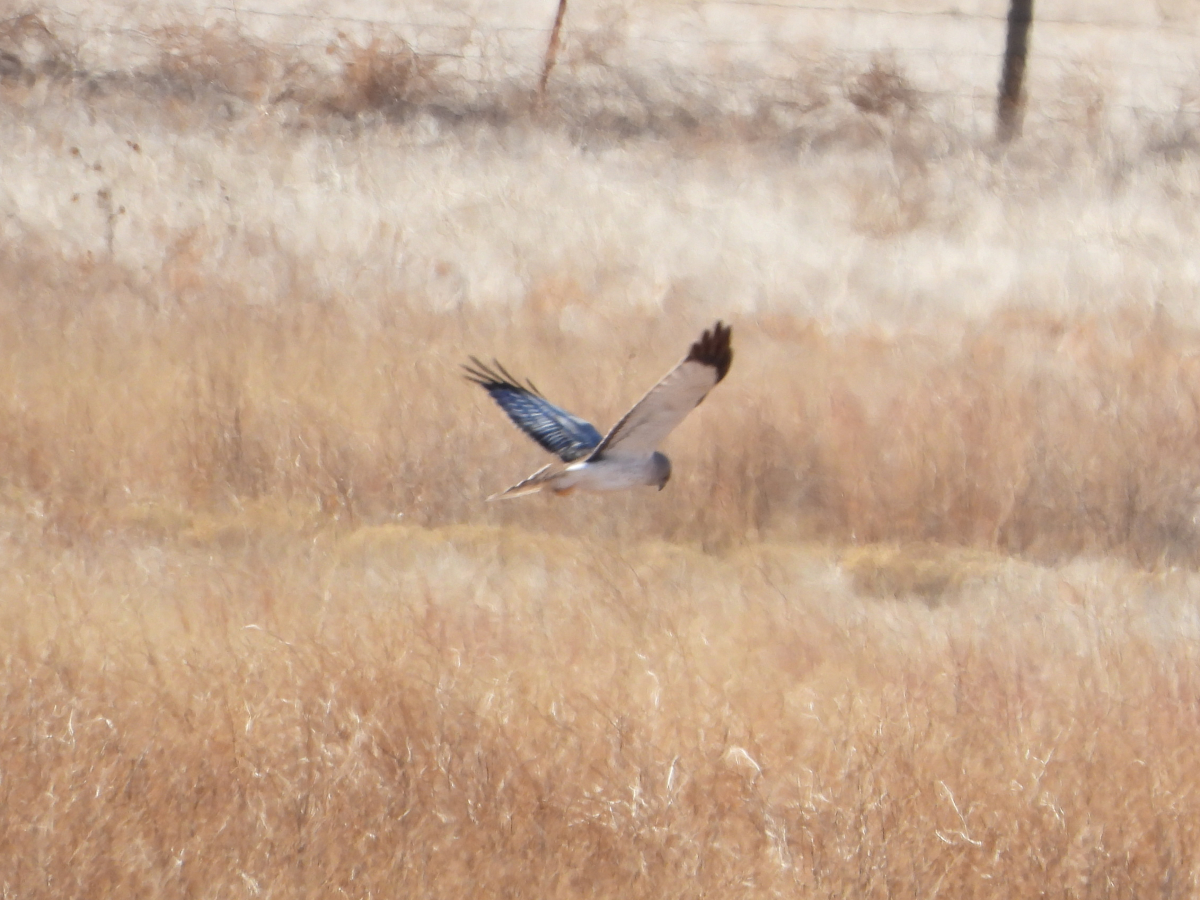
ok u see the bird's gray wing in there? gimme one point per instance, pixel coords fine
(555, 429)
(657, 414)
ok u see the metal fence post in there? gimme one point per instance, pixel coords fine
(1011, 104)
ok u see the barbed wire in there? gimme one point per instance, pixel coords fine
(514, 49)
(1122, 24)
(931, 51)
(471, 20)
(958, 15)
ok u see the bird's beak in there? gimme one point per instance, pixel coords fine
(663, 485)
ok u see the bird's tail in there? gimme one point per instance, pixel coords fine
(531, 485)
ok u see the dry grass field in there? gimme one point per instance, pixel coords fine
(915, 617)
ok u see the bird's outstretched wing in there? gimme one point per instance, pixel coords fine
(555, 429)
(656, 415)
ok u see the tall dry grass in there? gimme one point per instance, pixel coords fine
(913, 618)
(1028, 433)
(226, 673)
(261, 711)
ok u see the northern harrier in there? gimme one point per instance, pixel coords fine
(625, 457)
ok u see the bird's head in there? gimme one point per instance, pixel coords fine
(662, 470)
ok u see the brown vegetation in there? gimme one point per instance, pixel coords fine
(226, 674)
(244, 708)
(1027, 433)
(913, 618)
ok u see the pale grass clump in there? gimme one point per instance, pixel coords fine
(363, 170)
(382, 77)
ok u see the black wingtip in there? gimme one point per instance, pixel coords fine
(495, 377)
(476, 372)
(714, 349)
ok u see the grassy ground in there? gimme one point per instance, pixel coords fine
(260, 709)
(914, 617)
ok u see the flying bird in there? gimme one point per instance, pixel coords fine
(625, 457)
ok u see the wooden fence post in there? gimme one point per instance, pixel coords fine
(552, 48)
(1012, 101)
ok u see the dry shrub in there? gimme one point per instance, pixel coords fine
(882, 89)
(29, 50)
(384, 76)
(196, 61)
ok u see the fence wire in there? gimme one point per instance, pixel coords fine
(950, 56)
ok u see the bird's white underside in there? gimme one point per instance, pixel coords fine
(616, 473)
